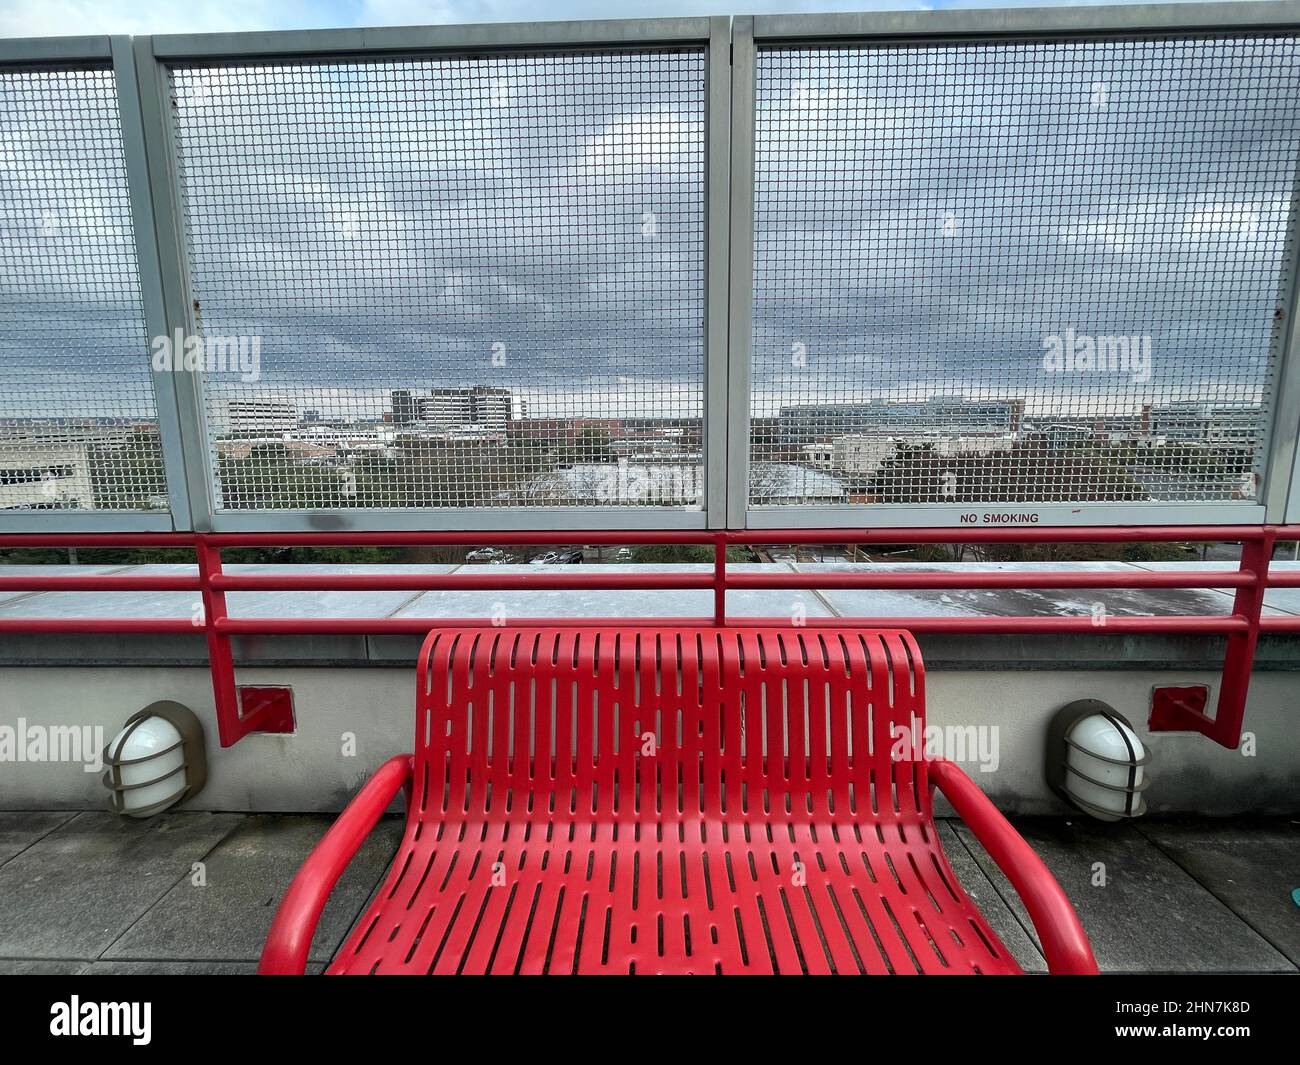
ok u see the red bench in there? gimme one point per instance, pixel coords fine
(670, 799)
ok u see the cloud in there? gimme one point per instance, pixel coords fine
(52, 18)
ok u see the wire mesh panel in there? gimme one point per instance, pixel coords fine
(1019, 271)
(78, 421)
(453, 281)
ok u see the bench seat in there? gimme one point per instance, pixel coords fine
(671, 799)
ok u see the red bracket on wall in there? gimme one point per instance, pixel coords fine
(266, 710)
(1180, 709)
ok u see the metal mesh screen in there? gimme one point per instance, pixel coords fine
(1029, 271)
(78, 421)
(449, 282)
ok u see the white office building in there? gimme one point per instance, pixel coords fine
(40, 478)
(254, 417)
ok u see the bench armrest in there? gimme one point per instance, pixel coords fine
(1064, 943)
(288, 942)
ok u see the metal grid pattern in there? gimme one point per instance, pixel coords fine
(471, 281)
(1043, 271)
(78, 420)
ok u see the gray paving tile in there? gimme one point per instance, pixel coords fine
(247, 874)
(40, 967)
(75, 891)
(173, 967)
(20, 829)
(987, 900)
(1252, 867)
(84, 887)
(1150, 916)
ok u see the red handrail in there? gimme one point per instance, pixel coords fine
(1241, 627)
(1065, 946)
(289, 941)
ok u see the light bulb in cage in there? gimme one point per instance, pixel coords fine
(1096, 762)
(156, 761)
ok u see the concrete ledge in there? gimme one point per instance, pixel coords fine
(350, 720)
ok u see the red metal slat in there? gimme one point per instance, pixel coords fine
(1289, 623)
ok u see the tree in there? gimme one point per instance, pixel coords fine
(1026, 473)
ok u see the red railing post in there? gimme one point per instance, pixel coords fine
(1239, 660)
(720, 579)
(221, 661)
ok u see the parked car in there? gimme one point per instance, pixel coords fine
(564, 557)
(493, 555)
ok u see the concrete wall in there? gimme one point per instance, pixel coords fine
(308, 770)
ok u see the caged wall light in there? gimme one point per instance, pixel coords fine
(156, 761)
(1096, 762)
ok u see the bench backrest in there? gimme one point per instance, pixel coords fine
(646, 722)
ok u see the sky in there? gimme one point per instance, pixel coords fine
(37, 18)
(925, 217)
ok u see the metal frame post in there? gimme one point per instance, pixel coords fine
(742, 270)
(152, 289)
(717, 257)
(169, 235)
(1175, 709)
(1239, 660)
(1278, 487)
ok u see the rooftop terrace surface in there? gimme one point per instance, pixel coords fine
(647, 603)
(91, 893)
